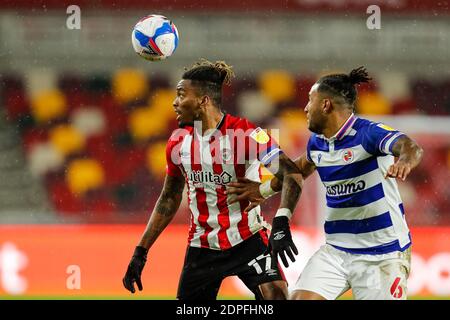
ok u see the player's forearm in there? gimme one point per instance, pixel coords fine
(291, 191)
(408, 151)
(292, 182)
(306, 169)
(163, 213)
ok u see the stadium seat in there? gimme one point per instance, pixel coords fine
(373, 103)
(84, 175)
(89, 121)
(67, 139)
(144, 123)
(156, 159)
(161, 103)
(277, 85)
(48, 106)
(44, 157)
(255, 106)
(129, 85)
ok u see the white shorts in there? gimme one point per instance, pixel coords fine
(331, 272)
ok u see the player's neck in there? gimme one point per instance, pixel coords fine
(211, 120)
(335, 124)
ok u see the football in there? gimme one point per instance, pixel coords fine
(155, 37)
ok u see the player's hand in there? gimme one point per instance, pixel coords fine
(280, 241)
(134, 270)
(400, 169)
(245, 189)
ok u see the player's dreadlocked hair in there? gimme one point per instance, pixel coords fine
(209, 77)
(343, 85)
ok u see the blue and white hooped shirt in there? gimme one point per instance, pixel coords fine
(364, 210)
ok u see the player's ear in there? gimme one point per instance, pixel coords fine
(327, 106)
(204, 100)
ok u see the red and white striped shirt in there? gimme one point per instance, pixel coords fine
(236, 148)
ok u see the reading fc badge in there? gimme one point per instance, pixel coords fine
(348, 156)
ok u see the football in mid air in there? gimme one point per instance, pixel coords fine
(155, 37)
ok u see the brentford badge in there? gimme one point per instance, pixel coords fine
(348, 155)
(226, 154)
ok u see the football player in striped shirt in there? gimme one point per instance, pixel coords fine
(210, 150)
(367, 238)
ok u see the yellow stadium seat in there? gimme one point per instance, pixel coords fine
(48, 105)
(129, 85)
(156, 159)
(67, 139)
(277, 85)
(293, 120)
(373, 103)
(161, 102)
(145, 122)
(83, 175)
(292, 125)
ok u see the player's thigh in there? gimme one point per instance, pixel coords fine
(385, 280)
(274, 290)
(201, 276)
(257, 271)
(323, 276)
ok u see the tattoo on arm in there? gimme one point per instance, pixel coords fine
(407, 150)
(170, 197)
(165, 209)
(291, 180)
(306, 169)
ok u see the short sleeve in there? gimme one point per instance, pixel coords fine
(173, 159)
(380, 138)
(263, 146)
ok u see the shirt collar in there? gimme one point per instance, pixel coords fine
(344, 130)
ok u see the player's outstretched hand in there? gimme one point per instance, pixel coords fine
(134, 270)
(400, 169)
(280, 241)
(245, 189)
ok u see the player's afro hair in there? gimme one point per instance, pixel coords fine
(344, 85)
(209, 77)
(218, 72)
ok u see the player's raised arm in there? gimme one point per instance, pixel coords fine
(256, 193)
(409, 155)
(274, 185)
(165, 209)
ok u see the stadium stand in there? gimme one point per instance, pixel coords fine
(97, 142)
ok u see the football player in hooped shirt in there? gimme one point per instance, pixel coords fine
(210, 150)
(367, 239)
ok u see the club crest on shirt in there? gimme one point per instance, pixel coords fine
(226, 154)
(348, 156)
(260, 136)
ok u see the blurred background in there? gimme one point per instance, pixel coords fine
(84, 122)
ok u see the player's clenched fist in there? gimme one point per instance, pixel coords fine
(400, 169)
(134, 270)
